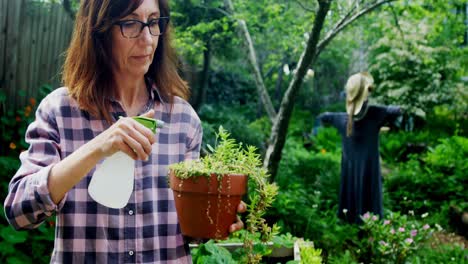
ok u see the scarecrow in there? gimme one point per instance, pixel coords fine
(361, 180)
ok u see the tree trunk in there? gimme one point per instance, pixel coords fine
(261, 89)
(280, 127)
(205, 74)
(279, 81)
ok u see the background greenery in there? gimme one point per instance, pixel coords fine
(417, 53)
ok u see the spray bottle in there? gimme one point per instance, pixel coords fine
(112, 183)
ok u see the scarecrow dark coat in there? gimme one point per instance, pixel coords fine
(361, 180)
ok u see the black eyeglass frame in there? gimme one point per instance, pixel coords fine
(143, 25)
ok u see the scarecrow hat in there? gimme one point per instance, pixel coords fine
(357, 89)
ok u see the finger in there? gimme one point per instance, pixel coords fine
(132, 143)
(149, 114)
(147, 133)
(144, 130)
(136, 147)
(236, 226)
(138, 132)
(142, 135)
(124, 147)
(242, 207)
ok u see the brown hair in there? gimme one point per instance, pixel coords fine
(87, 69)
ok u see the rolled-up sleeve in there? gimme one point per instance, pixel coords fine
(28, 202)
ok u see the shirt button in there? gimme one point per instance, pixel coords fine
(130, 212)
(131, 252)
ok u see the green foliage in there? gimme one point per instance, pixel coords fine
(200, 25)
(284, 240)
(309, 254)
(259, 248)
(416, 64)
(229, 157)
(397, 147)
(434, 185)
(450, 155)
(327, 140)
(20, 246)
(345, 258)
(310, 181)
(236, 120)
(391, 240)
(211, 253)
(442, 254)
(447, 120)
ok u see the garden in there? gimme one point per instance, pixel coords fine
(265, 91)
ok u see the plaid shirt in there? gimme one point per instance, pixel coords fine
(147, 229)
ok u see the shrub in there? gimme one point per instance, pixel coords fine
(442, 254)
(400, 146)
(250, 131)
(211, 253)
(391, 240)
(14, 244)
(345, 258)
(436, 184)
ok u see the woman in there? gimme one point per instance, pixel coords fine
(361, 180)
(119, 63)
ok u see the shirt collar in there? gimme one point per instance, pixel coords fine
(154, 91)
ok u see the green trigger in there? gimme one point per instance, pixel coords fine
(149, 122)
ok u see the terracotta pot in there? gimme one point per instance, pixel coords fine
(206, 207)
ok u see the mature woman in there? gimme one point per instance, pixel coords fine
(119, 63)
(361, 180)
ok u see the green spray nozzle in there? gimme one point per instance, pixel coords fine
(149, 122)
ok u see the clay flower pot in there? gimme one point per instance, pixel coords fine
(205, 206)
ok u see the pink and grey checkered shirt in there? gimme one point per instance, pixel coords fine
(147, 229)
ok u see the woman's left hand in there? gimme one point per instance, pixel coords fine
(241, 208)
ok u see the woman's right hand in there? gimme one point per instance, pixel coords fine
(128, 136)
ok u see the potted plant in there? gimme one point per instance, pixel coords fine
(207, 192)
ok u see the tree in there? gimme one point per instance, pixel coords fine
(71, 7)
(202, 32)
(315, 45)
(418, 63)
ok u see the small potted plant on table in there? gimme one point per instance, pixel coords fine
(207, 192)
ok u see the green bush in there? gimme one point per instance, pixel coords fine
(399, 146)
(211, 253)
(345, 258)
(442, 254)
(308, 253)
(446, 120)
(249, 131)
(391, 240)
(327, 140)
(449, 156)
(308, 180)
(432, 186)
(33, 246)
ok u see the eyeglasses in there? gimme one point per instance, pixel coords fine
(132, 28)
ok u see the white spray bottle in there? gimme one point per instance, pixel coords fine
(112, 182)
